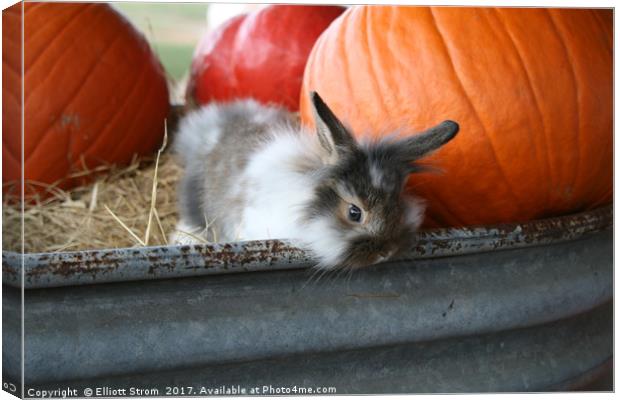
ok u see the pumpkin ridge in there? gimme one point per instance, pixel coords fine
(91, 73)
(607, 195)
(598, 16)
(577, 98)
(584, 179)
(16, 74)
(96, 41)
(538, 109)
(11, 156)
(372, 58)
(48, 22)
(14, 69)
(80, 87)
(389, 40)
(50, 70)
(116, 115)
(500, 168)
(345, 62)
(136, 119)
(513, 84)
(8, 96)
(434, 202)
(346, 59)
(72, 20)
(8, 59)
(32, 6)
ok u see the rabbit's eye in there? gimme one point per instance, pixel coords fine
(355, 214)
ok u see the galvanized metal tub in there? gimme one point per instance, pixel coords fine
(519, 307)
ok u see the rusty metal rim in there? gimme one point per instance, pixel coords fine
(125, 264)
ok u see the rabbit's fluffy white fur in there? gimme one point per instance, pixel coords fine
(252, 172)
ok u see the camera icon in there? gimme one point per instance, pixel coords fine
(10, 387)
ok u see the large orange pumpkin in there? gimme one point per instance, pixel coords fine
(94, 93)
(530, 88)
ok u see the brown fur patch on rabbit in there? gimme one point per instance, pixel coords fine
(256, 174)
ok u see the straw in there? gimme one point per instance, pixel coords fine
(154, 187)
(109, 213)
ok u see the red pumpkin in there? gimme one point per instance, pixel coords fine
(260, 55)
(94, 93)
(530, 88)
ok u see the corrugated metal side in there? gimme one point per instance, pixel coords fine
(86, 332)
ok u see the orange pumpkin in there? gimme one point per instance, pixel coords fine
(530, 88)
(94, 93)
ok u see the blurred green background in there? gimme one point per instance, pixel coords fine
(173, 29)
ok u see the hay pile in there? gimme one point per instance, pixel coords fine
(92, 217)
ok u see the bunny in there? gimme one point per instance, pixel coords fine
(252, 172)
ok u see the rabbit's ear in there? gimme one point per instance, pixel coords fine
(333, 136)
(423, 143)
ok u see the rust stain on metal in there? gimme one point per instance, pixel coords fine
(441, 241)
(102, 262)
(8, 271)
(187, 260)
